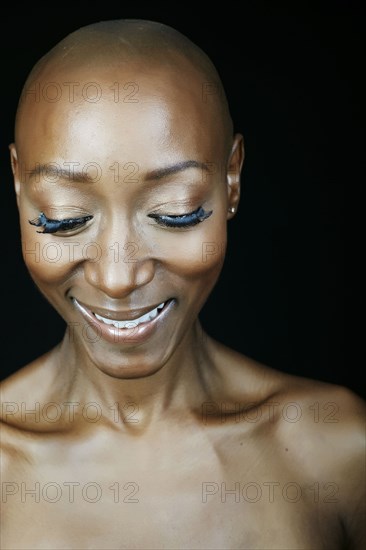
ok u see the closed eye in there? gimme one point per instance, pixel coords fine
(54, 226)
(182, 220)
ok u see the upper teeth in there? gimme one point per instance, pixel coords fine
(132, 322)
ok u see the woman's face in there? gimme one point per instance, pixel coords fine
(124, 162)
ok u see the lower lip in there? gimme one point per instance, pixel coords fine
(133, 335)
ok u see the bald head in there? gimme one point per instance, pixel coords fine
(125, 125)
(120, 45)
(124, 40)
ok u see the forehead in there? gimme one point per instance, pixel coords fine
(131, 112)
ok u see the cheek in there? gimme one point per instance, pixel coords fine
(197, 254)
(47, 258)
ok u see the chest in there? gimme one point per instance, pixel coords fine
(165, 505)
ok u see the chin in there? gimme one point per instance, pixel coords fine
(131, 364)
(128, 369)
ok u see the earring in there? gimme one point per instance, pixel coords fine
(232, 209)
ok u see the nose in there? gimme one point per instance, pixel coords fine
(118, 268)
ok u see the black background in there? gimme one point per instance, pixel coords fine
(293, 75)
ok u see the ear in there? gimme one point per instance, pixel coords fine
(234, 167)
(15, 170)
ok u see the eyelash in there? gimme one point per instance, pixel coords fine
(52, 226)
(175, 221)
(183, 220)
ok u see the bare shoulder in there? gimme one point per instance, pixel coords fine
(29, 385)
(312, 404)
(19, 395)
(316, 430)
(22, 396)
(325, 433)
(326, 420)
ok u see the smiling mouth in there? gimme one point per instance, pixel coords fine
(131, 323)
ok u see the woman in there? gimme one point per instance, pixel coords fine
(138, 430)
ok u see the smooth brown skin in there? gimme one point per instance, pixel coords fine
(180, 432)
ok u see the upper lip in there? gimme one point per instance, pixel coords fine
(128, 315)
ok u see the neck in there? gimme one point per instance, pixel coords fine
(181, 385)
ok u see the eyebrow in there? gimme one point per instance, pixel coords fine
(161, 173)
(82, 177)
